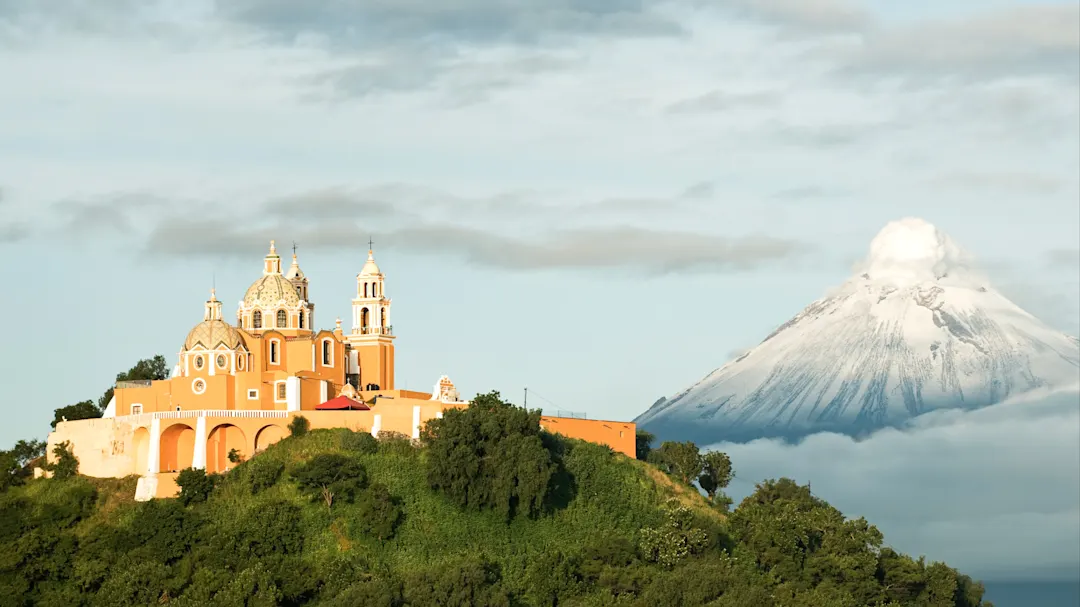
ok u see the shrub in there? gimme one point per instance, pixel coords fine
(234, 456)
(331, 475)
(261, 473)
(377, 513)
(360, 442)
(395, 443)
(490, 456)
(671, 543)
(195, 485)
(299, 426)
(66, 465)
(469, 582)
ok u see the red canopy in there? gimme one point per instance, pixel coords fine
(342, 403)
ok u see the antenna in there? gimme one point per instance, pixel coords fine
(526, 405)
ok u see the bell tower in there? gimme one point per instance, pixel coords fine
(371, 340)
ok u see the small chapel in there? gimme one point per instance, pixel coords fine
(235, 388)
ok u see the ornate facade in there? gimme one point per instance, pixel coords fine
(235, 388)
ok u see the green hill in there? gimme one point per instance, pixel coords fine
(488, 511)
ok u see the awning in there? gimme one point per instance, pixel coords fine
(342, 403)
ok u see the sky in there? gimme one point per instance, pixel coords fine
(600, 200)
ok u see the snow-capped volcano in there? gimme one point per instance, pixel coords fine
(916, 329)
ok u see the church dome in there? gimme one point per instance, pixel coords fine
(212, 333)
(270, 291)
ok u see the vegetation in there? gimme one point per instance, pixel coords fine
(486, 511)
(299, 426)
(147, 369)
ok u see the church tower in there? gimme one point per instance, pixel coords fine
(371, 341)
(299, 281)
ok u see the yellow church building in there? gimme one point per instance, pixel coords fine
(239, 386)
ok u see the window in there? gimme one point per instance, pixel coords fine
(301, 319)
(365, 289)
(177, 407)
(382, 319)
(274, 352)
(136, 409)
(327, 353)
(198, 387)
(240, 362)
(282, 319)
(198, 362)
(222, 361)
(364, 315)
(253, 394)
(281, 390)
(256, 319)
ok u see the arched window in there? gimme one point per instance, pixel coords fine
(282, 319)
(364, 319)
(256, 319)
(301, 319)
(327, 353)
(382, 319)
(273, 352)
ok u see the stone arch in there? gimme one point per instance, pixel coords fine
(141, 443)
(268, 435)
(221, 440)
(177, 448)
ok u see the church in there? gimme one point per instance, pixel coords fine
(235, 388)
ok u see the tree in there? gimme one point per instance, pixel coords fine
(66, 465)
(147, 369)
(299, 426)
(716, 472)
(80, 410)
(489, 456)
(681, 460)
(234, 456)
(331, 475)
(644, 444)
(196, 485)
(15, 462)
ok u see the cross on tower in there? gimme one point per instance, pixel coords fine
(294, 247)
(370, 244)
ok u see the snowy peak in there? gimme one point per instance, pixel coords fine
(915, 330)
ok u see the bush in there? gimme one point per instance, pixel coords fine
(66, 465)
(671, 543)
(299, 426)
(261, 473)
(468, 582)
(329, 476)
(395, 443)
(489, 456)
(360, 442)
(196, 485)
(377, 513)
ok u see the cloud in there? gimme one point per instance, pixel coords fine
(352, 24)
(518, 231)
(720, 100)
(994, 492)
(817, 15)
(1022, 40)
(636, 249)
(1064, 258)
(1011, 181)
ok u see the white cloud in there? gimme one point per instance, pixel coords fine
(993, 492)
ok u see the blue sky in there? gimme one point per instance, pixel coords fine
(598, 200)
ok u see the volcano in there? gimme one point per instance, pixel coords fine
(915, 330)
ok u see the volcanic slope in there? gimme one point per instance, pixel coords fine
(915, 330)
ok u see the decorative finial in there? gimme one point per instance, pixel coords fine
(337, 323)
(273, 249)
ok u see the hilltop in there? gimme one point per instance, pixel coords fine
(485, 510)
